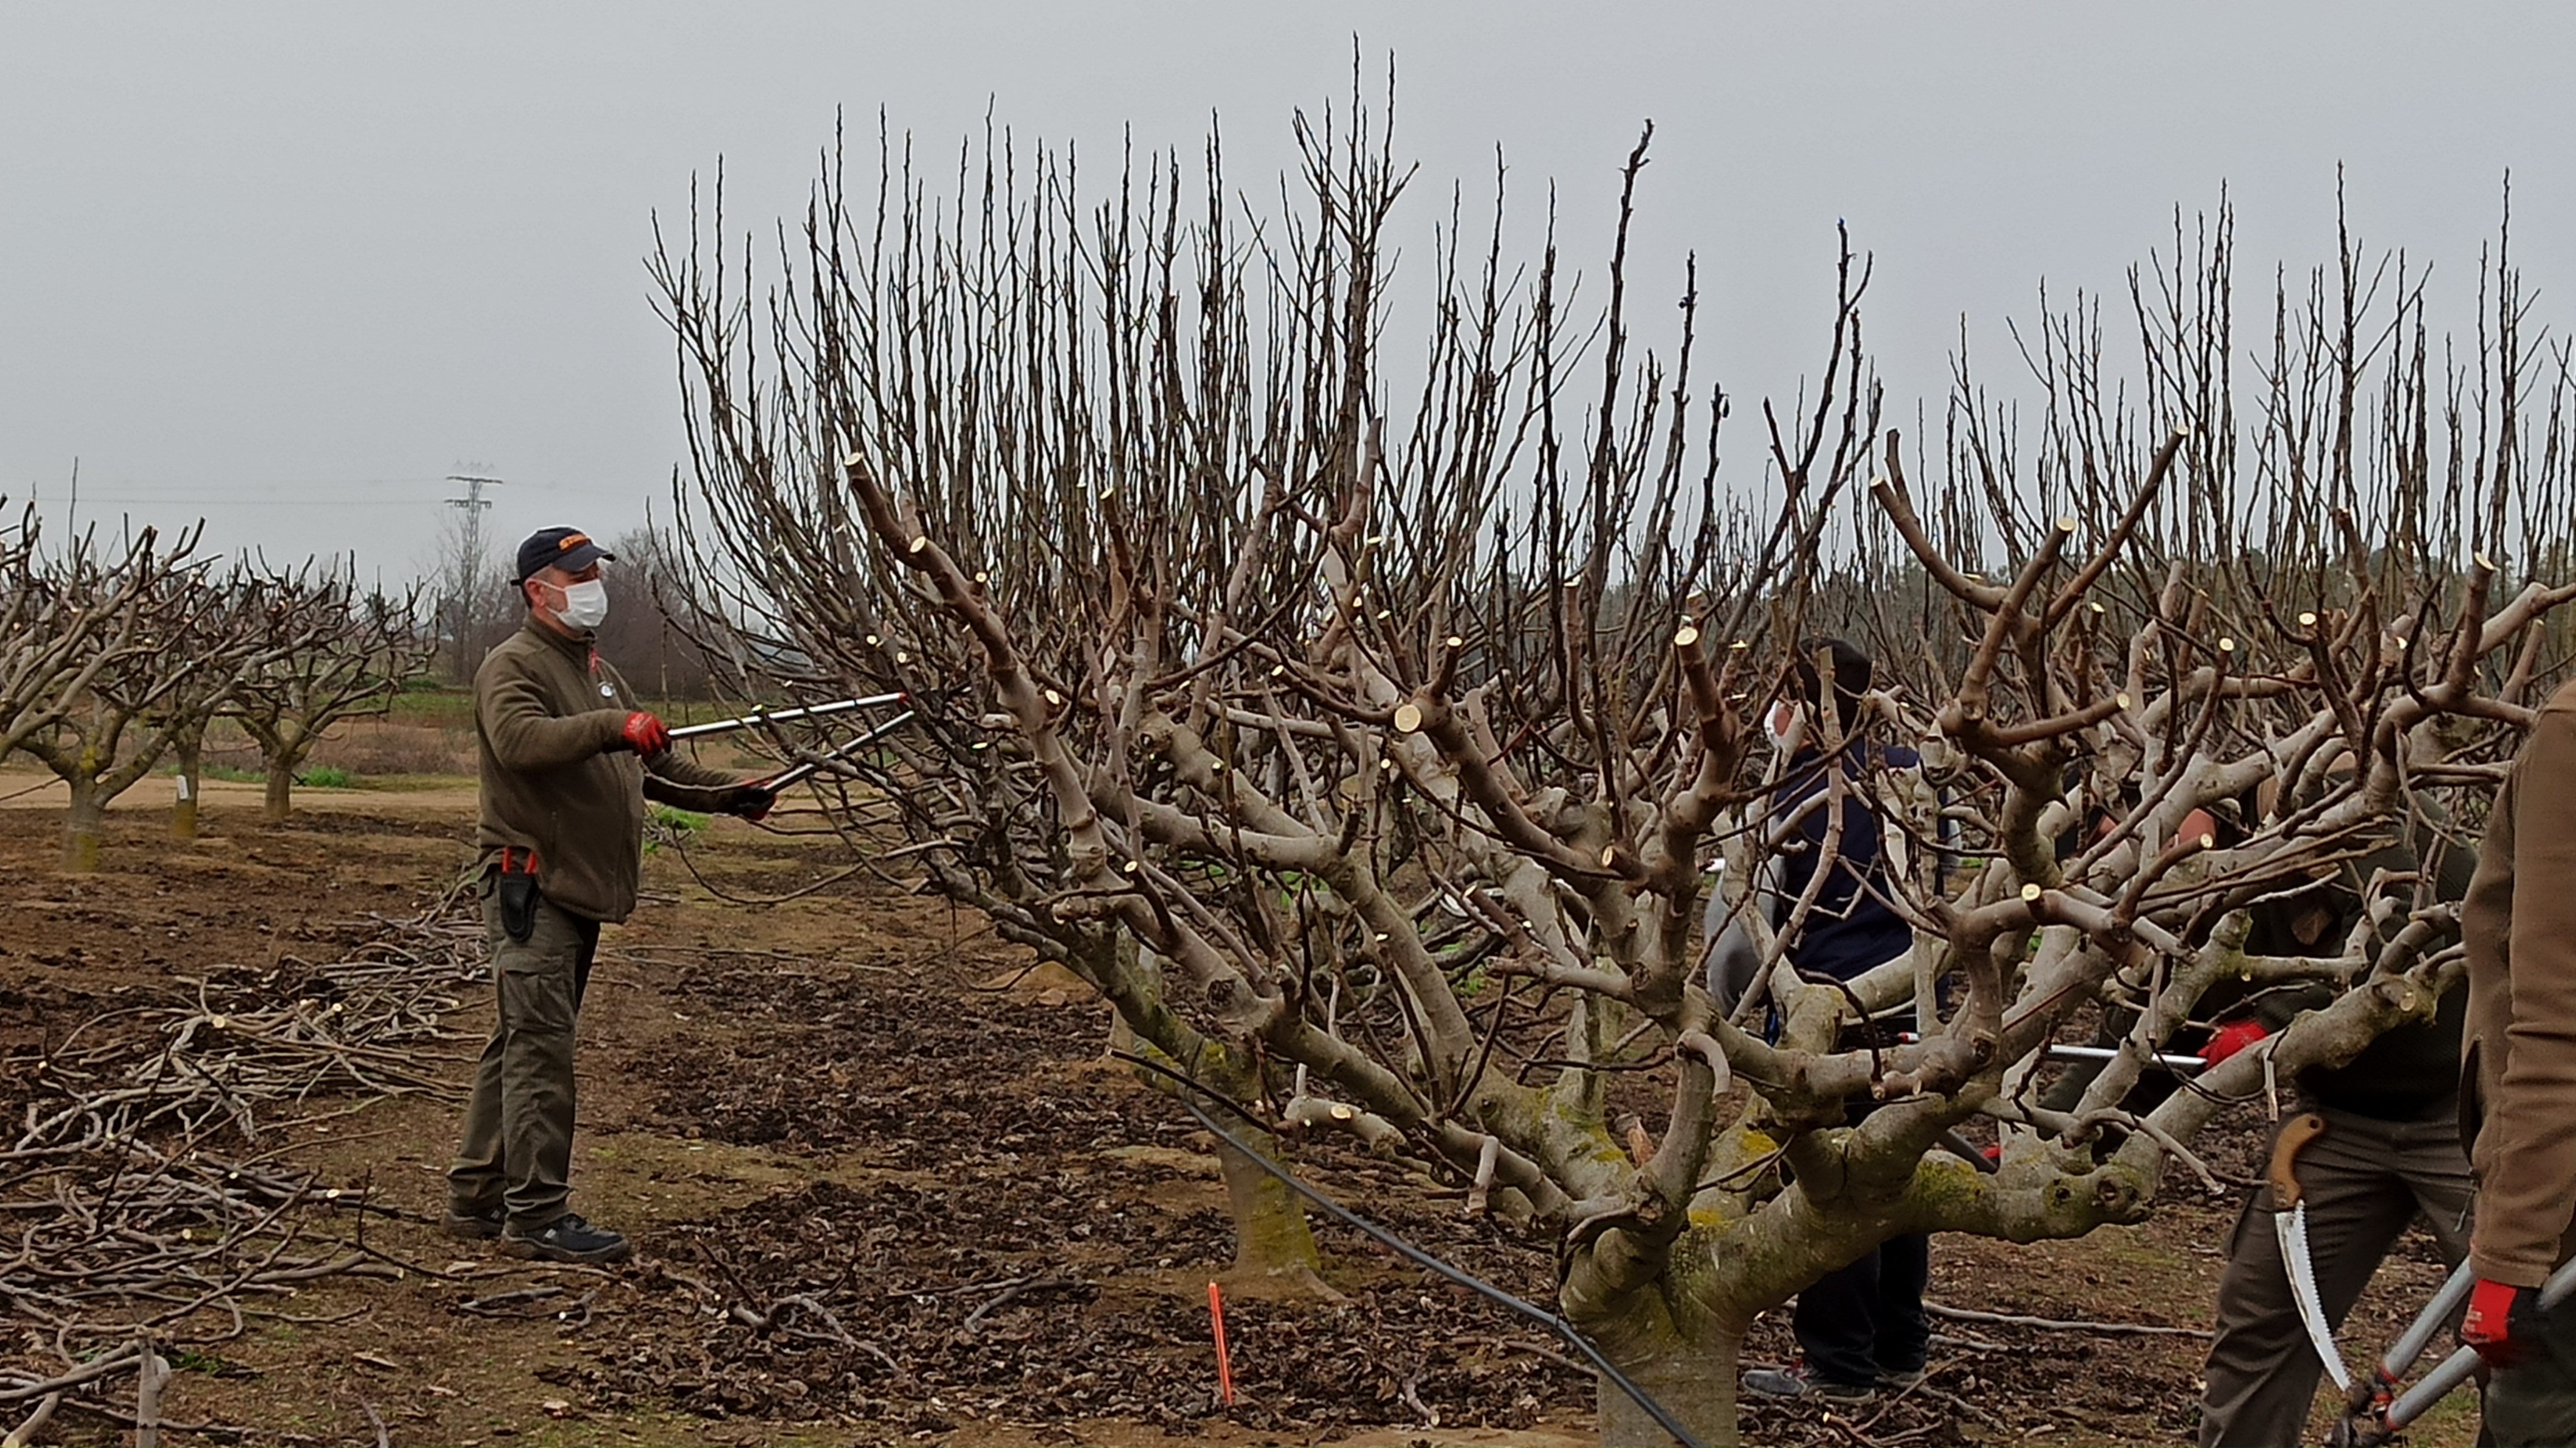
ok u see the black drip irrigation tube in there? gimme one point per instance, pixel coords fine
(1549, 1320)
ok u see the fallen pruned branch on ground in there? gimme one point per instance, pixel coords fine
(140, 1207)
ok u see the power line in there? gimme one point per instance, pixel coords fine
(316, 501)
(304, 489)
(474, 505)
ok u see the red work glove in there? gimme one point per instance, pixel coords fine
(645, 734)
(2232, 1037)
(2500, 1323)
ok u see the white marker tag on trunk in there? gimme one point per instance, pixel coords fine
(183, 787)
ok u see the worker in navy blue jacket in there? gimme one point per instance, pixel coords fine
(1862, 1326)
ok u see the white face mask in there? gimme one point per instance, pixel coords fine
(585, 605)
(1777, 723)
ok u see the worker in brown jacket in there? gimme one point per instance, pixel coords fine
(568, 760)
(2518, 1083)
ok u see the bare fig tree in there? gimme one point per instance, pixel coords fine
(67, 615)
(195, 635)
(1366, 728)
(331, 653)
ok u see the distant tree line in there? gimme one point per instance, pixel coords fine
(119, 655)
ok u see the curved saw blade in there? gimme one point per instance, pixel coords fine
(2292, 1228)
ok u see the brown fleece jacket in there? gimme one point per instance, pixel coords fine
(558, 777)
(2518, 1066)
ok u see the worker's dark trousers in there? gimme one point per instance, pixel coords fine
(1866, 1319)
(2364, 1180)
(518, 1126)
(2533, 1403)
(1858, 1322)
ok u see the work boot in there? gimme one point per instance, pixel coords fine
(567, 1239)
(479, 1225)
(1798, 1380)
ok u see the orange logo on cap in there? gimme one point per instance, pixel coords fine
(571, 542)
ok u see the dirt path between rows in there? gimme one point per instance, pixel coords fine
(885, 1188)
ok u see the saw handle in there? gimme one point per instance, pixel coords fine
(2296, 1133)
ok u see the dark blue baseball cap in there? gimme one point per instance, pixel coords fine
(569, 549)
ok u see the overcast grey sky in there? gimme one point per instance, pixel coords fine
(287, 265)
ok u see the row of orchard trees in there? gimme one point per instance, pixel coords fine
(116, 656)
(1370, 732)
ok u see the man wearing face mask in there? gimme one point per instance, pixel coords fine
(568, 759)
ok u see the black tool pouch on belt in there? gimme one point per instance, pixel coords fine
(518, 894)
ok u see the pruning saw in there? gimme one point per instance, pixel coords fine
(2290, 1226)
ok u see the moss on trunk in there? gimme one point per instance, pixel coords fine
(1274, 1248)
(83, 825)
(1271, 1237)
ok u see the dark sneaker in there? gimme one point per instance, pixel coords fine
(480, 1226)
(1904, 1381)
(1800, 1381)
(567, 1239)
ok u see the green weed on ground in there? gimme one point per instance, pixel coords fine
(320, 776)
(665, 825)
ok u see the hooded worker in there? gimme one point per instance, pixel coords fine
(1862, 1326)
(567, 760)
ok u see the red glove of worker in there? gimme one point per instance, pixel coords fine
(2232, 1037)
(645, 734)
(2501, 1322)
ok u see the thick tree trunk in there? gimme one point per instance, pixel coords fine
(1274, 1249)
(280, 799)
(1692, 1377)
(83, 825)
(190, 749)
(1271, 1239)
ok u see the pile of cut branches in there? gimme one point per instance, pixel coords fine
(144, 1210)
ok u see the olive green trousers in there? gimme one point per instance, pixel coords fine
(517, 1153)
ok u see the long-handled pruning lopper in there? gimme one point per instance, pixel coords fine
(797, 774)
(760, 716)
(2376, 1412)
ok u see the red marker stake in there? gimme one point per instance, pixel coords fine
(1224, 1360)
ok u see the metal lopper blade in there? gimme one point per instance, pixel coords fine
(2290, 1226)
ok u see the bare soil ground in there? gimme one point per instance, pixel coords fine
(886, 1188)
